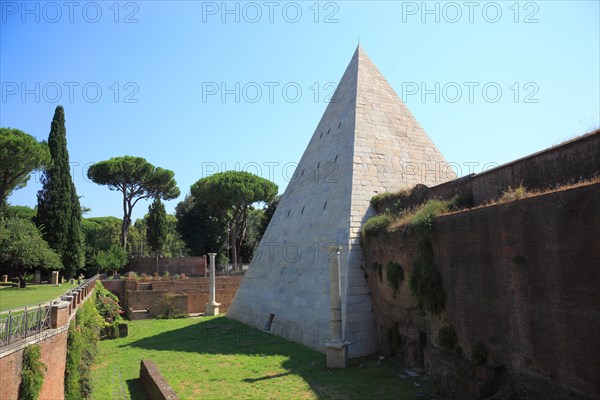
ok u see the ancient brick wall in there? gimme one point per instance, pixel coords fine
(172, 265)
(522, 277)
(53, 351)
(566, 163)
(196, 289)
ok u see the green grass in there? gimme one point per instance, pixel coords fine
(31, 295)
(217, 358)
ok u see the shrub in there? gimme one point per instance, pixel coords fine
(168, 307)
(425, 280)
(421, 218)
(479, 353)
(33, 373)
(447, 338)
(108, 307)
(379, 197)
(512, 194)
(394, 275)
(377, 224)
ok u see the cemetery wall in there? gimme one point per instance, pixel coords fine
(53, 351)
(521, 277)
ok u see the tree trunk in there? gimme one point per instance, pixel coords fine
(233, 245)
(22, 283)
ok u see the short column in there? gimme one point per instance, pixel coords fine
(212, 308)
(337, 347)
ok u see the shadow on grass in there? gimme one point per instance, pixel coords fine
(136, 390)
(366, 377)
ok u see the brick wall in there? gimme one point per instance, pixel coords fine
(53, 350)
(196, 289)
(173, 265)
(523, 277)
(566, 163)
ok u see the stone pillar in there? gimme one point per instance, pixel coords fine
(212, 308)
(38, 277)
(4, 278)
(337, 348)
(55, 278)
(59, 314)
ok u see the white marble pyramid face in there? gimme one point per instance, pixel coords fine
(367, 142)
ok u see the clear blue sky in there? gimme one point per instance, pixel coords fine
(171, 57)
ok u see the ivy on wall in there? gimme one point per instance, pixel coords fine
(33, 373)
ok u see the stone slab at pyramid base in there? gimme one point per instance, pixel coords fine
(367, 142)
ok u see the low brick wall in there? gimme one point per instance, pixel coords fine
(53, 351)
(154, 383)
(172, 265)
(196, 290)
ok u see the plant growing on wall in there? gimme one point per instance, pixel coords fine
(82, 348)
(394, 275)
(447, 338)
(33, 373)
(425, 280)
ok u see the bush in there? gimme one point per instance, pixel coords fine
(425, 280)
(379, 197)
(447, 338)
(377, 224)
(168, 307)
(108, 307)
(33, 373)
(512, 194)
(422, 218)
(394, 275)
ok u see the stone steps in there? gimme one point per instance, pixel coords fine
(137, 315)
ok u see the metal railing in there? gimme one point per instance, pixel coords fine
(19, 323)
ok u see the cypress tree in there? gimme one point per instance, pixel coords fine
(59, 212)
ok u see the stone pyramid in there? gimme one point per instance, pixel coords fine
(366, 143)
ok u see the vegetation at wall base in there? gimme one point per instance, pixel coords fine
(108, 307)
(32, 373)
(82, 348)
(425, 280)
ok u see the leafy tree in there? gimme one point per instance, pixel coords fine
(20, 154)
(112, 259)
(200, 228)
(136, 179)
(24, 250)
(231, 194)
(137, 242)
(22, 212)
(100, 234)
(156, 227)
(253, 233)
(268, 214)
(59, 212)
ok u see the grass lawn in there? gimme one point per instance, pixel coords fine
(31, 295)
(218, 358)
